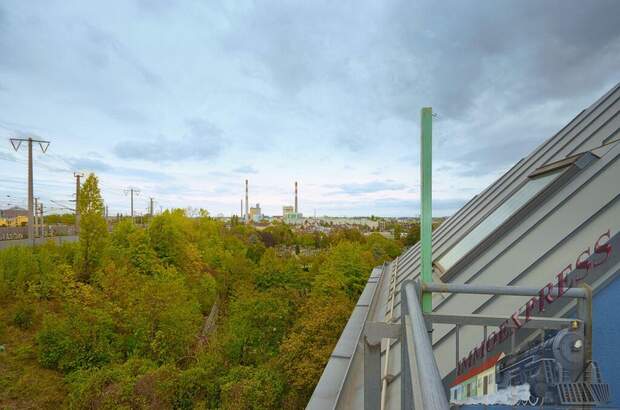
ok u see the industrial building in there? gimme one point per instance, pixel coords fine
(554, 216)
(255, 214)
(291, 214)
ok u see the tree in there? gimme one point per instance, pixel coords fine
(93, 227)
(413, 236)
(397, 232)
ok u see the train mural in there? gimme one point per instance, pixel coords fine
(550, 372)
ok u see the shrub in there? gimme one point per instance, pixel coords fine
(23, 316)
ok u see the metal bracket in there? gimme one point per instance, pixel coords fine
(374, 332)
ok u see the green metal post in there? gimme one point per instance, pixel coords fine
(426, 218)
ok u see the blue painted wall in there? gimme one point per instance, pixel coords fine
(606, 335)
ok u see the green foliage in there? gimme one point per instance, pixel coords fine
(23, 316)
(252, 388)
(257, 324)
(86, 340)
(93, 227)
(413, 236)
(63, 219)
(125, 320)
(166, 232)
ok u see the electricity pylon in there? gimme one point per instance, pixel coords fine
(16, 143)
(132, 191)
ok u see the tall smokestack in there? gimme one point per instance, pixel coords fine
(296, 197)
(247, 213)
(241, 210)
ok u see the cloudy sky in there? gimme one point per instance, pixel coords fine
(186, 99)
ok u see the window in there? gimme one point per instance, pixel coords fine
(495, 219)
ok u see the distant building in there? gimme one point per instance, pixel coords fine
(255, 213)
(293, 218)
(287, 210)
(13, 212)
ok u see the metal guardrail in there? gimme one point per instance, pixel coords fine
(422, 387)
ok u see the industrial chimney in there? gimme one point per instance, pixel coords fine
(241, 210)
(296, 197)
(247, 214)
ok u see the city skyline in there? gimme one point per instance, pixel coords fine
(186, 101)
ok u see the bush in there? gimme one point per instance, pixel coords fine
(23, 316)
(252, 388)
(84, 339)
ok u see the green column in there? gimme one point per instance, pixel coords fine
(426, 217)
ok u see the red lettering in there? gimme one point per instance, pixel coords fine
(563, 284)
(491, 341)
(479, 351)
(515, 320)
(545, 296)
(529, 308)
(504, 331)
(603, 248)
(582, 263)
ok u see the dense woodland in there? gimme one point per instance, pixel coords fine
(181, 313)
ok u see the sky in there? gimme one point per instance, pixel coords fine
(185, 100)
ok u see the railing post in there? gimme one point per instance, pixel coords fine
(427, 388)
(584, 313)
(372, 374)
(374, 333)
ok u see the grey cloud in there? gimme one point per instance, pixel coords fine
(449, 55)
(99, 166)
(438, 204)
(88, 164)
(203, 140)
(519, 52)
(6, 156)
(352, 143)
(105, 45)
(368, 187)
(245, 169)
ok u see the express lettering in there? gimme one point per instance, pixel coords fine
(549, 293)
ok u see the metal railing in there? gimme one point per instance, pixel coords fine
(421, 384)
(423, 388)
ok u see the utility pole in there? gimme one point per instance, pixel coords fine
(247, 213)
(77, 176)
(36, 217)
(16, 142)
(42, 220)
(132, 191)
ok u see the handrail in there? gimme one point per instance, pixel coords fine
(426, 385)
(474, 289)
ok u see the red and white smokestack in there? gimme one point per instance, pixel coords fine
(295, 196)
(247, 213)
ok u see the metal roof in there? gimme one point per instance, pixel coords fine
(542, 236)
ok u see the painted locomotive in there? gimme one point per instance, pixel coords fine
(552, 372)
